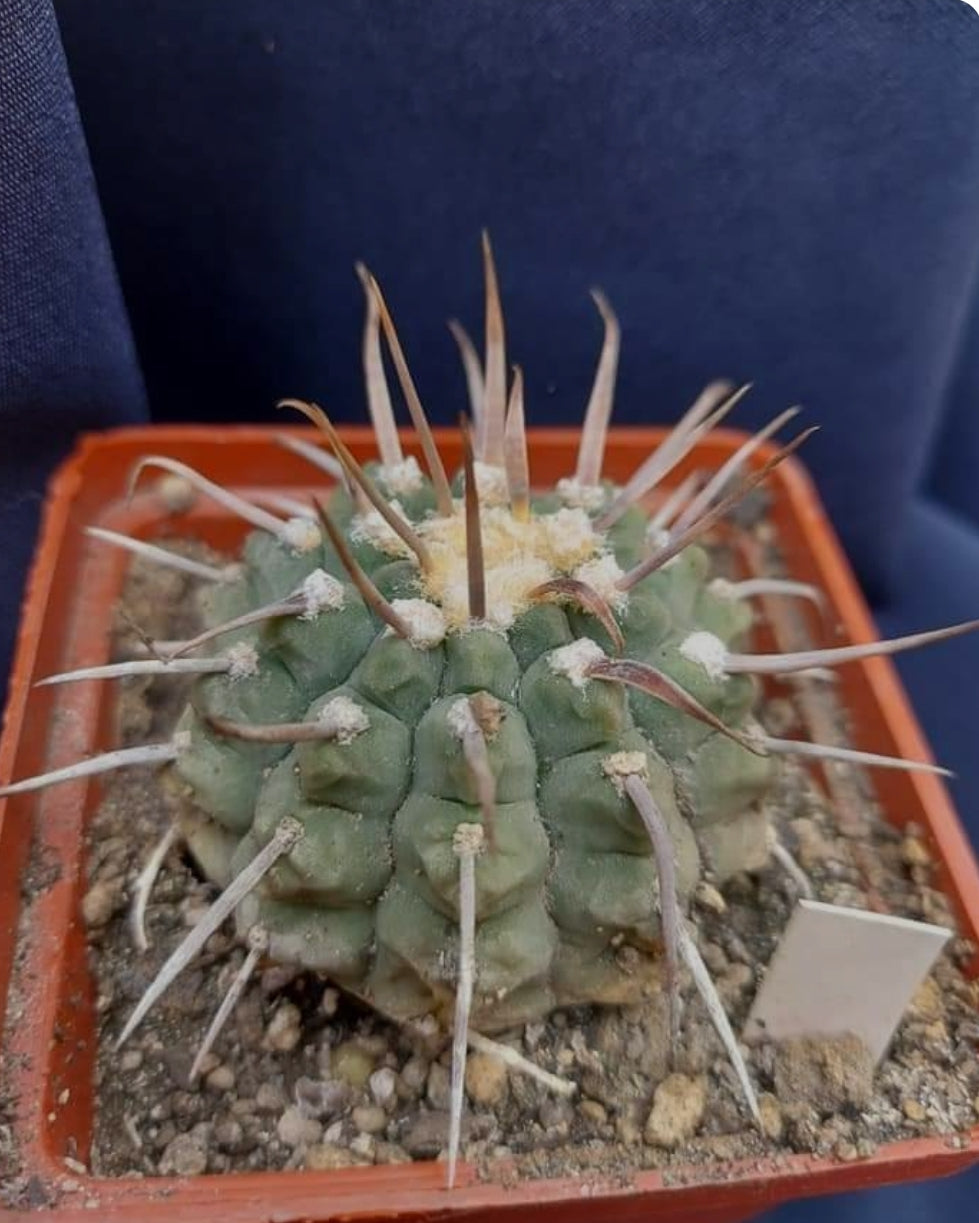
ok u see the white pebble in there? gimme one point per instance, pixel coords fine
(383, 1084)
(296, 1130)
(284, 1030)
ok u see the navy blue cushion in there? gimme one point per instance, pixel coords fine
(66, 354)
(955, 465)
(951, 1200)
(938, 583)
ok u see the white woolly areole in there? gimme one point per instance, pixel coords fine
(468, 839)
(371, 528)
(659, 538)
(574, 660)
(301, 535)
(571, 535)
(602, 574)
(581, 496)
(707, 650)
(425, 622)
(723, 589)
(242, 660)
(517, 557)
(322, 592)
(401, 478)
(345, 717)
(491, 484)
(621, 765)
(461, 719)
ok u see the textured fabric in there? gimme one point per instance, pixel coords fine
(939, 584)
(951, 1200)
(955, 469)
(778, 189)
(66, 355)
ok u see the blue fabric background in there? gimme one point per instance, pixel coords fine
(772, 189)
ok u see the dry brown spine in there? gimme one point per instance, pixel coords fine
(433, 461)
(375, 498)
(365, 587)
(594, 432)
(475, 566)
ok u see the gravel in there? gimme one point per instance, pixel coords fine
(304, 1076)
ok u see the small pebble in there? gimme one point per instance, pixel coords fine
(186, 1155)
(592, 1111)
(228, 1133)
(383, 1085)
(390, 1153)
(555, 1113)
(330, 1001)
(369, 1118)
(708, 897)
(813, 848)
(714, 957)
(221, 1078)
(208, 1062)
(927, 1001)
(772, 1123)
(297, 1130)
(374, 1045)
(411, 1080)
(915, 852)
(486, 1079)
(734, 982)
(327, 1156)
(678, 1109)
(284, 1030)
(353, 1064)
(131, 1059)
(914, 1110)
(437, 1089)
(363, 1146)
(99, 904)
(428, 1134)
(322, 1097)
(270, 1098)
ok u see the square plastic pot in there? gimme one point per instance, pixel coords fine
(49, 1006)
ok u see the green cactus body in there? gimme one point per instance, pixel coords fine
(567, 902)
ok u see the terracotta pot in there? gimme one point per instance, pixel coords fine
(50, 1042)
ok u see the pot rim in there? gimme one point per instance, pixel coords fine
(410, 1190)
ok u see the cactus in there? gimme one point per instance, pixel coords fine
(466, 747)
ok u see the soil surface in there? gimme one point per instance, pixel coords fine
(302, 1076)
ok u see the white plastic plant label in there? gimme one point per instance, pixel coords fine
(841, 970)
